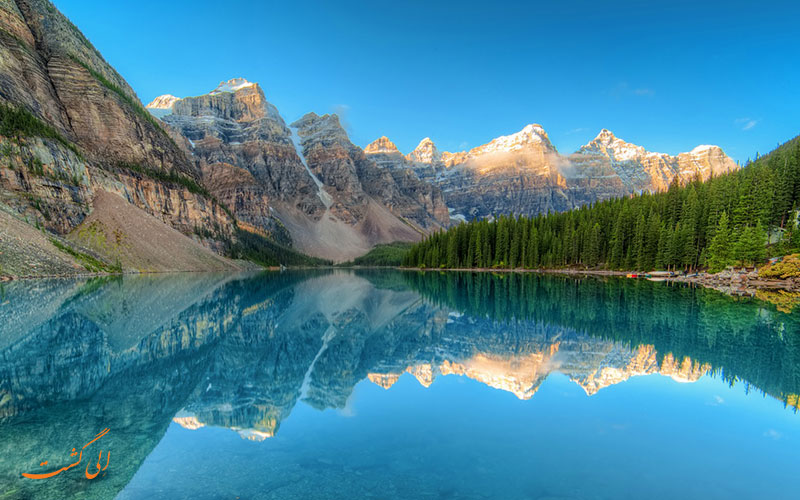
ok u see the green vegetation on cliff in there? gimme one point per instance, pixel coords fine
(17, 122)
(717, 223)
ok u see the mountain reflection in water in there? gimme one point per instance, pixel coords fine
(134, 354)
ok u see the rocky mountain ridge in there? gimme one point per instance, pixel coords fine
(523, 173)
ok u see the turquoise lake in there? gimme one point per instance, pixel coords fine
(395, 385)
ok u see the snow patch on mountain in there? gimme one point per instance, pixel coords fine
(324, 196)
(702, 149)
(232, 85)
(161, 106)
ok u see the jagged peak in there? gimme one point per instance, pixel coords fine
(312, 125)
(425, 144)
(532, 131)
(163, 102)
(425, 152)
(531, 134)
(312, 119)
(533, 128)
(382, 145)
(232, 85)
(606, 143)
(605, 138)
(605, 135)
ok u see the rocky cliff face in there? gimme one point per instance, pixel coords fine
(523, 173)
(639, 169)
(518, 173)
(53, 71)
(245, 152)
(364, 204)
(418, 200)
(101, 137)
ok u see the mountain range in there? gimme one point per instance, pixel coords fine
(426, 189)
(216, 166)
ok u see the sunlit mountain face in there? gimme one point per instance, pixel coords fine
(332, 376)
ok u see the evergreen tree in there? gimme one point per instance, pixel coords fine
(452, 251)
(720, 249)
(749, 248)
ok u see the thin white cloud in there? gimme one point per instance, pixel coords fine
(576, 131)
(644, 92)
(746, 123)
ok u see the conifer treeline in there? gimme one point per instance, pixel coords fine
(723, 221)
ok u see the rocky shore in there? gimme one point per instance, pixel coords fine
(740, 282)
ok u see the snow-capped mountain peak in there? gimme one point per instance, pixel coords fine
(232, 85)
(425, 152)
(607, 144)
(532, 135)
(163, 102)
(703, 148)
(605, 136)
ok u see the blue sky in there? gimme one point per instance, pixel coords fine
(665, 75)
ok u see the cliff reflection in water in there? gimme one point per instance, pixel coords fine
(134, 354)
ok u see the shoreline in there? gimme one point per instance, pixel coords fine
(28, 277)
(729, 282)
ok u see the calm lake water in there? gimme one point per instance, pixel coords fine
(385, 385)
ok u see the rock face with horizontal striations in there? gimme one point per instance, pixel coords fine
(102, 138)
